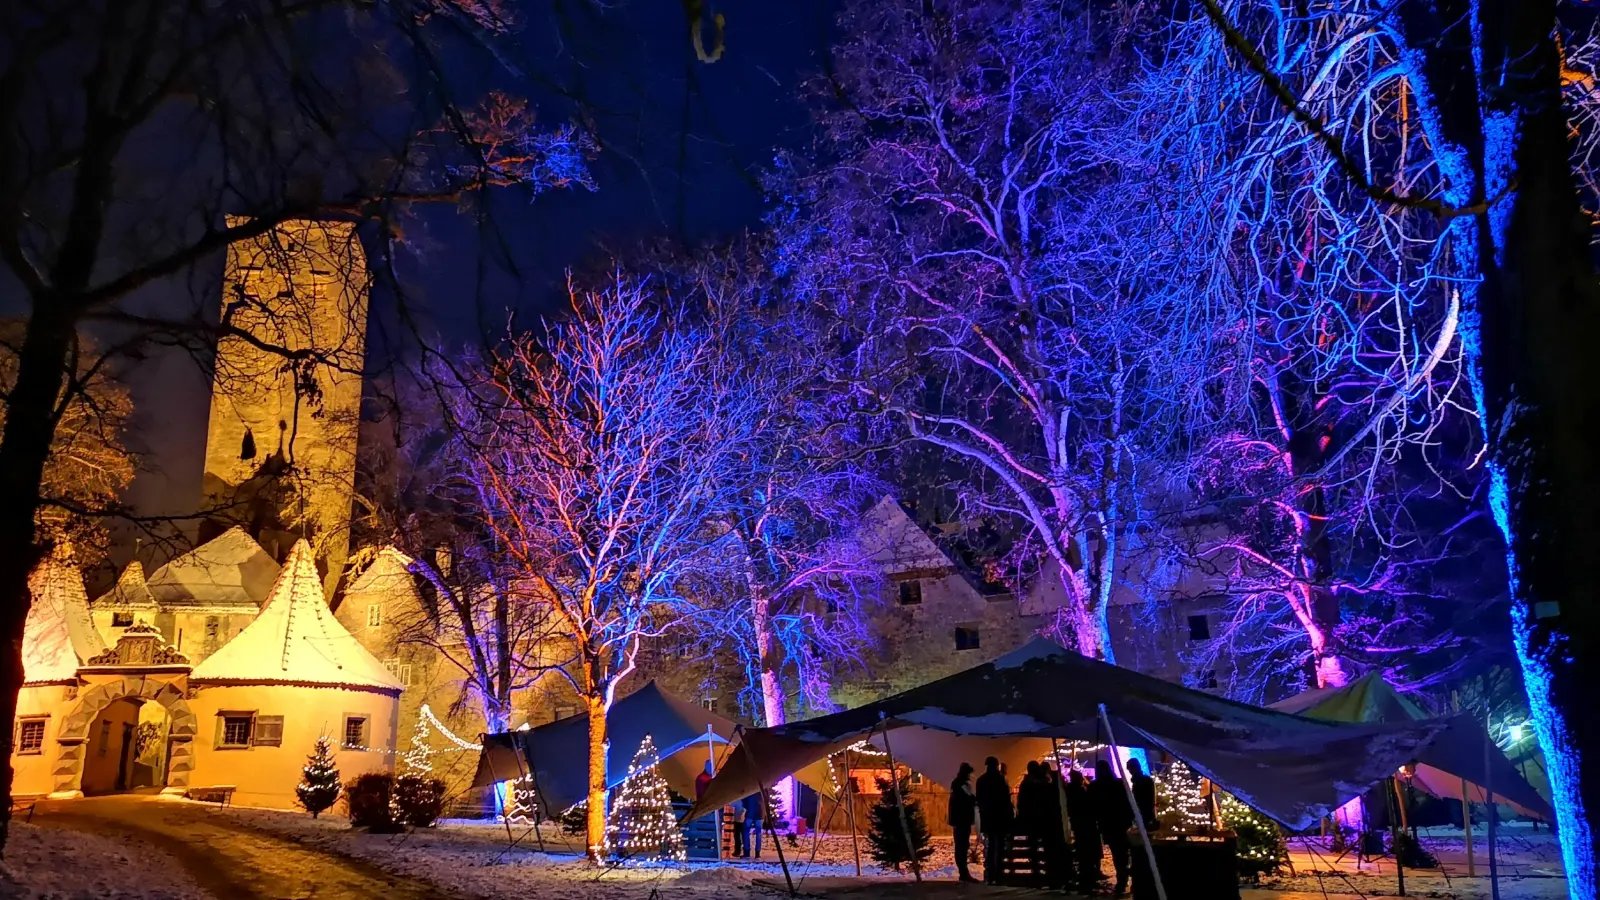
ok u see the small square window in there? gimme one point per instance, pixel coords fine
(1200, 628)
(374, 615)
(565, 711)
(910, 593)
(121, 619)
(1208, 681)
(708, 703)
(355, 732)
(268, 732)
(236, 730)
(966, 638)
(30, 737)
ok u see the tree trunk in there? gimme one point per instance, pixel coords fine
(771, 683)
(24, 449)
(1528, 329)
(595, 820)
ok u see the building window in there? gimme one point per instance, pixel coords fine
(565, 711)
(910, 593)
(268, 732)
(355, 732)
(967, 638)
(1208, 680)
(105, 737)
(236, 730)
(708, 703)
(374, 615)
(30, 737)
(121, 619)
(916, 778)
(401, 671)
(1199, 628)
(213, 625)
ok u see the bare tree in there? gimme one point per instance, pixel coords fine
(596, 451)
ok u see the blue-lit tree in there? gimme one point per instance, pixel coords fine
(1486, 78)
(971, 220)
(597, 450)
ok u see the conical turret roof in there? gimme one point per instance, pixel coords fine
(231, 569)
(130, 592)
(58, 636)
(296, 640)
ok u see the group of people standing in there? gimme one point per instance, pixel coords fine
(1098, 812)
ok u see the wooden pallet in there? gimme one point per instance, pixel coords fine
(1027, 863)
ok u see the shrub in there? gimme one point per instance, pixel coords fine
(418, 801)
(369, 799)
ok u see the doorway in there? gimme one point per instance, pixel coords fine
(127, 748)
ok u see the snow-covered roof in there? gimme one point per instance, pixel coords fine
(58, 635)
(296, 640)
(130, 591)
(388, 573)
(229, 570)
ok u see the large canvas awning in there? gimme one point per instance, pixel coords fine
(1471, 759)
(556, 754)
(1292, 768)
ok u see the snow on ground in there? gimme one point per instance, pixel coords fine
(470, 859)
(58, 864)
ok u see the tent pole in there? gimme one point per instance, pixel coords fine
(1395, 829)
(1488, 796)
(1466, 829)
(900, 802)
(1149, 849)
(1061, 790)
(776, 844)
(850, 810)
(505, 812)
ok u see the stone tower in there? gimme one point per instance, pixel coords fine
(286, 398)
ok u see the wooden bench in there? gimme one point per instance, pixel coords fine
(25, 803)
(220, 794)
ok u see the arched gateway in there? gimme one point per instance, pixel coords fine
(140, 668)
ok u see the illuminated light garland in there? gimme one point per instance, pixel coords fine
(426, 714)
(641, 826)
(417, 760)
(523, 807)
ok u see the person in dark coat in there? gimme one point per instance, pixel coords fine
(1110, 801)
(1058, 859)
(1031, 800)
(753, 820)
(1085, 832)
(994, 809)
(963, 811)
(1144, 794)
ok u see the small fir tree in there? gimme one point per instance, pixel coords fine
(642, 825)
(1262, 848)
(1178, 799)
(887, 838)
(319, 787)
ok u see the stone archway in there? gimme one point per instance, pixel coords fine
(74, 734)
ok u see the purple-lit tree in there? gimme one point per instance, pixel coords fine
(994, 251)
(597, 450)
(1486, 78)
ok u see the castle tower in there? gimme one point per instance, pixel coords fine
(286, 400)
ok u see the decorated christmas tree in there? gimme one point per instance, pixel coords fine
(320, 785)
(1262, 848)
(641, 825)
(1178, 800)
(887, 839)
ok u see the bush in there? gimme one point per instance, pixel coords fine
(418, 801)
(574, 820)
(369, 800)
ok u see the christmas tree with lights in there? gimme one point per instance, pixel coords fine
(641, 825)
(1178, 799)
(320, 785)
(1262, 848)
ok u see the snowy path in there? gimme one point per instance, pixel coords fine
(227, 858)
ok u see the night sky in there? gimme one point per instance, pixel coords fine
(682, 147)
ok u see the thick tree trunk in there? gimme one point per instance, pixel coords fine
(1528, 329)
(771, 684)
(24, 449)
(595, 820)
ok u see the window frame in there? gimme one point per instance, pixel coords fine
(120, 619)
(344, 737)
(374, 615)
(223, 718)
(909, 587)
(23, 723)
(1204, 621)
(973, 638)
